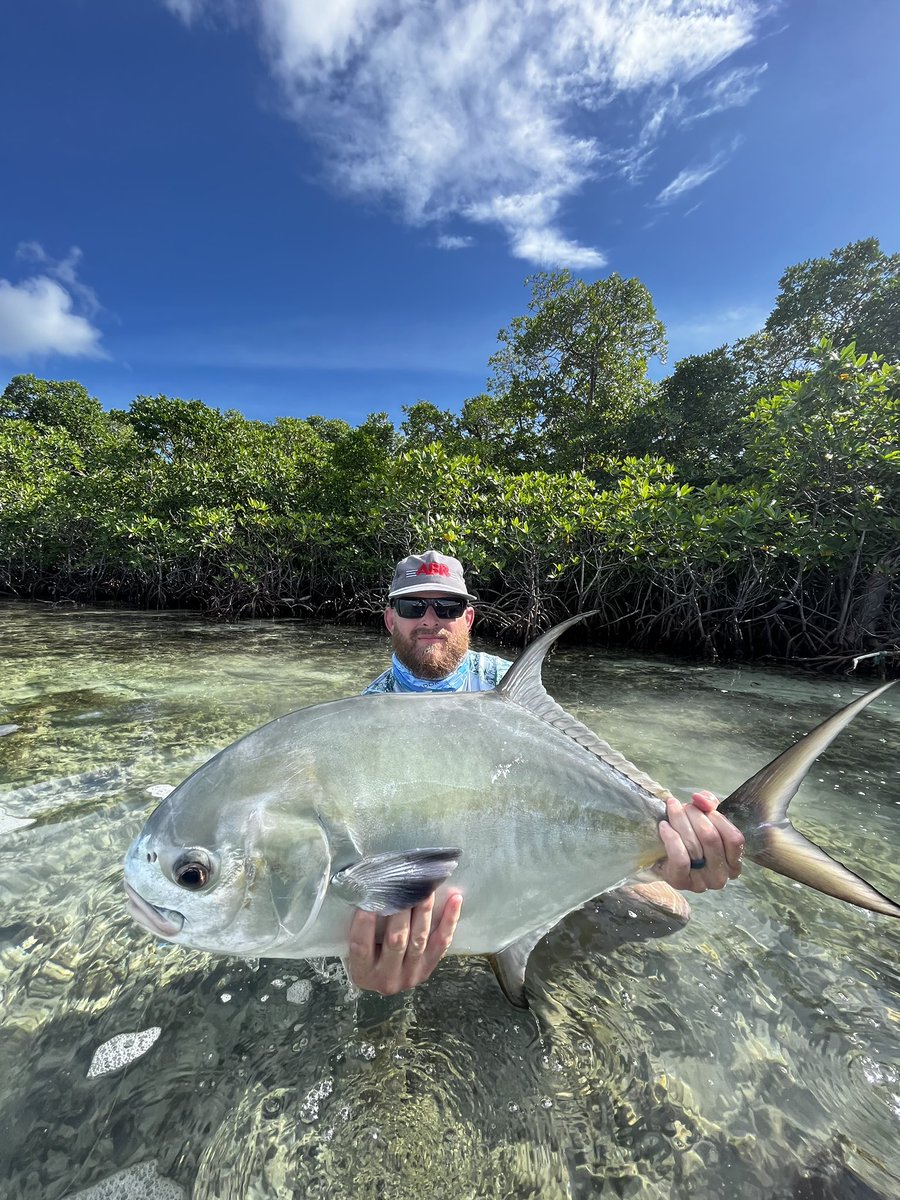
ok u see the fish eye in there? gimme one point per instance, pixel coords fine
(192, 870)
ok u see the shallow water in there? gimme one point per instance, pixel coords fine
(753, 1054)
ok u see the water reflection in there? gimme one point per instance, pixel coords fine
(754, 1054)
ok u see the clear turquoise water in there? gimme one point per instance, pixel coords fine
(754, 1054)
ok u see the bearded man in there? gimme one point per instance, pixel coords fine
(429, 615)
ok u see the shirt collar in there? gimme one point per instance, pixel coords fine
(454, 682)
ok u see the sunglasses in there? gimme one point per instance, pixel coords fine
(414, 607)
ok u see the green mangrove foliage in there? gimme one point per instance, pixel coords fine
(851, 296)
(707, 514)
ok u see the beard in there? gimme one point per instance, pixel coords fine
(435, 660)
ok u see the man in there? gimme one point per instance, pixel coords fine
(431, 640)
(429, 616)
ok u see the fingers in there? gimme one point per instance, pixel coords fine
(683, 818)
(442, 934)
(705, 801)
(377, 965)
(406, 932)
(697, 832)
(363, 950)
(732, 838)
(419, 928)
(410, 948)
(676, 867)
(732, 842)
(403, 943)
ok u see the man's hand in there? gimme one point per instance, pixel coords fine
(409, 951)
(697, 832)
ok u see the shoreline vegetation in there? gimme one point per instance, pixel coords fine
(745, 507)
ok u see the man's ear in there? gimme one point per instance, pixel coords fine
(389, 619)
(470, 616)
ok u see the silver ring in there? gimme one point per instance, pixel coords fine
(697, 864)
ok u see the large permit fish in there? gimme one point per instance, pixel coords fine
(375, 801)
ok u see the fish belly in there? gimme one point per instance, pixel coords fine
(542, 823)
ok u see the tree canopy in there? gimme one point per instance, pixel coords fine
(712, 512)
(576, 367)
(853, 295)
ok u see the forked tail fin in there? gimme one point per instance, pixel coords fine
(759, 809)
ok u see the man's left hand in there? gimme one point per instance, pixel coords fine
(696, 832)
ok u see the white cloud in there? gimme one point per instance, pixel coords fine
(632, 161)
(65, 270)
(677, 109)
(186, 9)
(545, 247)
(659, 41)
(731, 90)
(38, 315)
(487, 109)
(209, 12)
(447, 241)
(687, 180)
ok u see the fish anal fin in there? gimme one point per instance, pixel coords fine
(391, 883)
(509, 967)
(510, 964)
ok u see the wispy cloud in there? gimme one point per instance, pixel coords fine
(632, 160)
(692, 177)
(734, 89)
(688, 179)
(695, 334)
(50, 312)
(475, 109)
(63, 269)
(188, 10)
(447, 241)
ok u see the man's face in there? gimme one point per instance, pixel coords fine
(426, 645)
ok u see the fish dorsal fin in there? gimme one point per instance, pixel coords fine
(522, 683)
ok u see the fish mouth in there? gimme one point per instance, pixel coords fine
(165, 922)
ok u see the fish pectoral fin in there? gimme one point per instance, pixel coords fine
(509, 965)
(390, 883)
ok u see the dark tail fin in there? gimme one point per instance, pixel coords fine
(759, 809)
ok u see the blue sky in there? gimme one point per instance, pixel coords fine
(290, 207)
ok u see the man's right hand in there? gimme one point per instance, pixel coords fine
(410, 949)
(696, 831)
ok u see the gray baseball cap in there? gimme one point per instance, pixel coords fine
(429, 574)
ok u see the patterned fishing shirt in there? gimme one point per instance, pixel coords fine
(478, 672)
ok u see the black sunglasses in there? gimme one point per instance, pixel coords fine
(417, 606)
